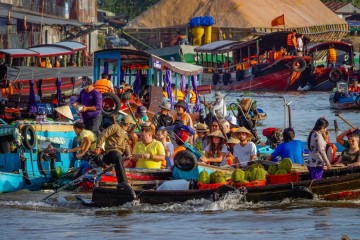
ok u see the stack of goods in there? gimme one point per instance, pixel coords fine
(282, 173)
(255, 175)
(211, 181)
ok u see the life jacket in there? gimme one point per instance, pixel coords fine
(180, 95)
(165, 94)
(331, 151)
(332, 55)
(192, 97)
(290, 41)
(103, 86)
(183, 117)
(352, 89)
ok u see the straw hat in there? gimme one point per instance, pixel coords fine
(216, 133)
(201, 127)
(233, 140)
(65, 111)
(165, 105)
(244, 130)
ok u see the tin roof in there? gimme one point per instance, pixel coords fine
(51, 51)
(18, 52)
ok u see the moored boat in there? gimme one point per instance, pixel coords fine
(342, 99)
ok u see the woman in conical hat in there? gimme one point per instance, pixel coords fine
(216, 150)
(64, 113)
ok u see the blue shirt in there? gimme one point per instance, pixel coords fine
(293, 150)
(93, 98)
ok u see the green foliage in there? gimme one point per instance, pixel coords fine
(101, 41)
(127, 9)
(204, 177)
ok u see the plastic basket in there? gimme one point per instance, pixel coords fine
(283, 178)
(203, 186)
(255, 183)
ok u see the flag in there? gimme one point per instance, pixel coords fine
(280, 20)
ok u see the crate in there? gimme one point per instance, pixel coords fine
(255, 183)
(283, 178)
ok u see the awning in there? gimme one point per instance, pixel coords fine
(50, 51)
(38, 19)
(32, 73)
(18, 52)
(186, 69)
(214, 47)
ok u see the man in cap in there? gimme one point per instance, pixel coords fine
(163, 118)
(245, 151)
(115, 142)
(182, 115)
(89, 104)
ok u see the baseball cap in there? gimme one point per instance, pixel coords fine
(86, 83)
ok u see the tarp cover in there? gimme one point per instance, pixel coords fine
(237, 13)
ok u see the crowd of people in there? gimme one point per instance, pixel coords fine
(152, 142)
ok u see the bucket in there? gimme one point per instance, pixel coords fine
(198, 33)
(207, 35)
(316, 172)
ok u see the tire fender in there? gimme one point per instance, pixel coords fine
(335, 75)
(298, 65)
(185, 160)
(110, 104)
(26, 131)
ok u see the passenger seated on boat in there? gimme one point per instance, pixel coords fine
(226, 128)
(245, 151)
(163, 118)
(231, 142)
(351, 156)
(290, 148)
(86, 138)
(64, 114)
(354, 87)
(163, 136)
(330, 148)
(182, 115)
(200, 142)
(216, 149)
(183, 134)
(148, 153)
(340, 138)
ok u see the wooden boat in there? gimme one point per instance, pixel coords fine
(333, 181)
(23, 162)
(256, 65)
(342, 99)
(323, 78)
(61, 54)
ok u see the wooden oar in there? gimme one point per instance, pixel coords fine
(77, 179)
(132, 114)
(346, 121)
(336, 128)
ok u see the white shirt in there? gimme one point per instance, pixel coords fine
(300, 44)
(223, 150)
(220, 108)
(243, 154)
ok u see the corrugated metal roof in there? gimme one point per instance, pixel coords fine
(38, 19)
(333, 6)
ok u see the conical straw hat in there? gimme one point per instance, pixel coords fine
(65, 111)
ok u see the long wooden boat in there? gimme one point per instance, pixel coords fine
(23, 162)
(333, 181)
(47, 56)
(323, 78)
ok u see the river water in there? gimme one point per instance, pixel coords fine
(25, 216)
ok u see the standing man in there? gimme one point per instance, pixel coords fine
(104, 84)
(114, 141)
(300, 45)
(90, 100)
(331, 56)
(291, 43)
(163, 118)
(245, 151)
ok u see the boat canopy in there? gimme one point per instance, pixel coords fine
(18, 52)
(216, 47)
(186, 69)
(51, 51)
(70, 45)
(342, 46)
(32, 73)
